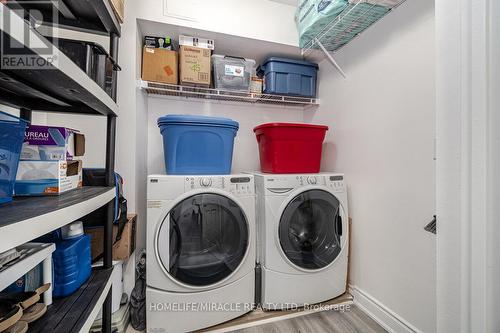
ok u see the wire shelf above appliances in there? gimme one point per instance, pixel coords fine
(353, 20)
(153, 88)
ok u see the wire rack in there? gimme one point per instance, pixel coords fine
(153, 88)
(353, 20)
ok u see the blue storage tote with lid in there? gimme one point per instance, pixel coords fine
(11, 140)
(292, 77)
(197, 145)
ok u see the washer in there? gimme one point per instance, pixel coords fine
(200, 251)
(302, 223)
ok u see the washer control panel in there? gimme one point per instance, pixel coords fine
(234, 184)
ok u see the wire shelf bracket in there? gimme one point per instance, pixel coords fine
(330, 57)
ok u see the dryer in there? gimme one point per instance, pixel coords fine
(303, 232)
(200, 251)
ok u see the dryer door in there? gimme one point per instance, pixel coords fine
(312, 229)
(203, 239)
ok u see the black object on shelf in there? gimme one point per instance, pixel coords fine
(70, 314)
(93, 59)
(93, 16)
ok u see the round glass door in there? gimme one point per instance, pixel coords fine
(310, 229)
(207, 236)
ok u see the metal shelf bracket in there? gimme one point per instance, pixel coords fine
(330, 57)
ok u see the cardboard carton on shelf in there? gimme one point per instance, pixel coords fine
(195, 66)
(123, 248)
(119, 9)
(160, 65)
(47, 177)
(52, 143)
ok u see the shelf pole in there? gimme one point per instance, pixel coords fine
(47, 278)
(110, 181)
(114, 42)
(330, 57)
(108, 226)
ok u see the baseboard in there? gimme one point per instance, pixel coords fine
(385, 317)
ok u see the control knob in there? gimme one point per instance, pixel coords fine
(205, 182)
(312, 180)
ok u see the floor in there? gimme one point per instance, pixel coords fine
(352, 321)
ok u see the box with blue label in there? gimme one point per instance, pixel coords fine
(51, 143)
(47, 177)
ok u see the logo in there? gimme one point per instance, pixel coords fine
(22, 44)
(323, 5)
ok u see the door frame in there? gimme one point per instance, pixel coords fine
(468, 165)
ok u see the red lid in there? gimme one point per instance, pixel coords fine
(296, 125)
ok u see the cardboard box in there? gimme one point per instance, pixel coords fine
(159, 65)
(119, 9)
(158, 42)
(51, 143)
(197, 42)
(195, 66)
(122, 249)
(47, 177)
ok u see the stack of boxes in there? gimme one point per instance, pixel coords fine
(191, 66)
(49, 161)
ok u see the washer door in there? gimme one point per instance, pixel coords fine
(203, 239)
(311, 228)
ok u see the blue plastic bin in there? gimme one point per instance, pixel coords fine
(197, 145)
(291, 77)
(11, 141)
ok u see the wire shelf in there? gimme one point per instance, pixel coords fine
(153, 88)
(353, 20)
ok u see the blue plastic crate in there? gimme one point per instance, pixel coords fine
(197, 145)
(11, 141)
(283, 76)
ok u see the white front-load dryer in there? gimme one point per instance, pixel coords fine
(302, 223)
(200, 251)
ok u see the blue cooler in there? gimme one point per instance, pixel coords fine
(291, 77)
(197, 145)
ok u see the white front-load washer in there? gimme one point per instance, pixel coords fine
(200, 251)
(302, 223)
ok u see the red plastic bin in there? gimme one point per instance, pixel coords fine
(290, 148)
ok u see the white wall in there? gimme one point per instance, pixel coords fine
(259, 19)
(382, 120)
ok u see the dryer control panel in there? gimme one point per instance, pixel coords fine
(281, 184)
(234, 184)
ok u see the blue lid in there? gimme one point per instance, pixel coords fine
(291, 61)
(197, 120)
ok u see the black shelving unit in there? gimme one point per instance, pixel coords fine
(69, 314)
(64, 87)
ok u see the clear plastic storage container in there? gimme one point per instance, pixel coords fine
(232, 73)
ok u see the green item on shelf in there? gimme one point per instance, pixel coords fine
(312, 16)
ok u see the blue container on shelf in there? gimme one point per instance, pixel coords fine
(11, 141)
(197, 145)
(72, 264)
(283, 76)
